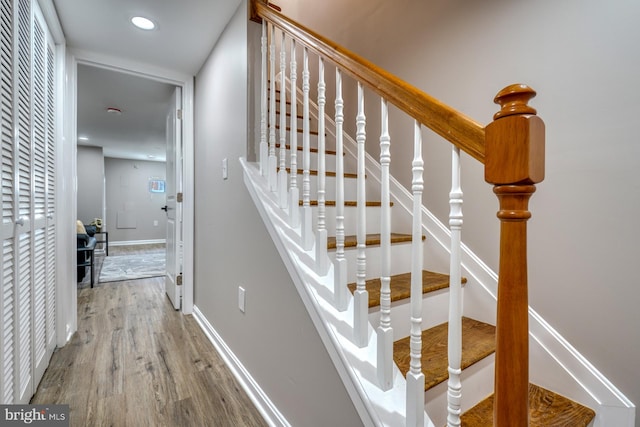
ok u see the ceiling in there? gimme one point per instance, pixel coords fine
(185, 33)
(139, 131)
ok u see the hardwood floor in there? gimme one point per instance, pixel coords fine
(135, 361)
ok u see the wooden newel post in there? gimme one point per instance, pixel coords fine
(514, 163)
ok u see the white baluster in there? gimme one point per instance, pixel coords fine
(282, 171)
(322, 260)
(361, 295)
(307, 228)
(385, 332)
(273, 164)
(294, 192)
(264, 149)
(415, 377)
(454, 393)
(340, 266)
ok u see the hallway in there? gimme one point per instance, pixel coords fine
(136, 362)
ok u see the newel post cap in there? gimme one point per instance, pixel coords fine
(514, 151)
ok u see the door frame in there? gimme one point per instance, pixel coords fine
(186, 82)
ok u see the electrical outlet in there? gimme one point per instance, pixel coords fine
(241, 293)
(155, 223)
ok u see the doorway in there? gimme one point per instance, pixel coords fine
(107, 98)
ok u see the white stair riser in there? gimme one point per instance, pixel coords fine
(477, 384)
(313, 124)
(350, 187)
(350, 219)
(434, 312)
(330, 161)
(329, 140)
(400, 260)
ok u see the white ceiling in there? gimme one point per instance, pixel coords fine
(185, 34)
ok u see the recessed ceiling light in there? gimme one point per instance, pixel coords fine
(83, 138)
(143, 23)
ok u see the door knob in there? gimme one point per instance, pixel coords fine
(165, 208)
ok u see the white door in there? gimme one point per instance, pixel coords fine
(174, 206)
(27, 226)
(24, 221)
(43, 206)
(8, 227)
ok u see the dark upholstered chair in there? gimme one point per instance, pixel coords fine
(86, 246)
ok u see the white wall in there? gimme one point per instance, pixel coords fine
(90, 183)
(582, 58)
(127, 183)
(275, 338)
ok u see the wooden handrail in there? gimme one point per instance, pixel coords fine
(447, 122)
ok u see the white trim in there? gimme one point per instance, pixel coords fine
(66, 199)
(186, 82)
(138, 242)
(51, 18)
(130, 67)
(188, 185)
(259, 398)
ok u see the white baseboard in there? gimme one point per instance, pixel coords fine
(259, 398)
(138, 242)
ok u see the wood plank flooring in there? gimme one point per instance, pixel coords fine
(135, 361)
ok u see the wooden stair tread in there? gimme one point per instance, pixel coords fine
(327, 173)
(311, 149)
(372, 240)
(401, 286)
(478, 342)
(546, 409)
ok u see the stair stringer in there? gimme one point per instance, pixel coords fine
(356, 366)
(554, 363)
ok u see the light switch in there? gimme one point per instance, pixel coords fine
(241, 298)
(225, 168)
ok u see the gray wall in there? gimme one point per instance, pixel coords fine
(90, 183)
(582, 58)
(128, 198)
(275, 338)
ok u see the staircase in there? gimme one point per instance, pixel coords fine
(336, 239)
(478, 338)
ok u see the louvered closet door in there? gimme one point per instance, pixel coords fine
(24, 230)
(8, 343)
(40, 128)
(50, 194)
(27, 115)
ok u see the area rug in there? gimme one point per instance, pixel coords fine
(130, 267)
